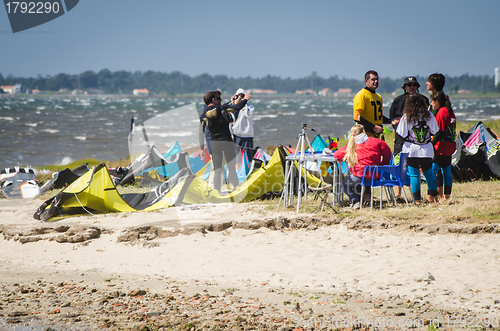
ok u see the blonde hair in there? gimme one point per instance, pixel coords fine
(351, 157)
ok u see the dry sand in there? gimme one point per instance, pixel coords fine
(240, 266)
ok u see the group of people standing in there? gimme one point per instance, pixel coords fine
(225, 127)
(426, 131)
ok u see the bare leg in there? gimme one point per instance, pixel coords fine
(440, 192)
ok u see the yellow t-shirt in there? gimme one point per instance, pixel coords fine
(368, 105)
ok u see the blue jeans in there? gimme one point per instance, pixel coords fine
(208, 138)
(352, 188)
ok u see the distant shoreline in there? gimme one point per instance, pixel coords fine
(489, 95)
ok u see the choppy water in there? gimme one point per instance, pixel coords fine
(55, 130)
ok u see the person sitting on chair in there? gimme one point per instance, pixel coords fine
(360, 151)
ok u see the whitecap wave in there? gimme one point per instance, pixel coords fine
(266, 116)
(66, 160)
(171, 134)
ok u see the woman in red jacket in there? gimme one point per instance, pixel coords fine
(444, 143)
(360, 151)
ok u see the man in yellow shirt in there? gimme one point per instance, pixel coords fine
(368, 106)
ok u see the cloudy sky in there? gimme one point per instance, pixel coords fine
(258, 38)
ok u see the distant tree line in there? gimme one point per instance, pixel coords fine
(177, 83)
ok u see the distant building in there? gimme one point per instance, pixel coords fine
(35, 91)
(306, 92)
(6, 88)
(324, 91)
(139, 91)
(497, 76)
(463, 91)
(345, 91)
(16, 89)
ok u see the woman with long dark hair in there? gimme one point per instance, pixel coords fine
(444, 143)
(417, 127)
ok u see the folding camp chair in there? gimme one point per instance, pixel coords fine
(386, 176)
(322, 194)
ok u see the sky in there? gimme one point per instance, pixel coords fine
(257, 38)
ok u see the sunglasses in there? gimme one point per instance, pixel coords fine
(412, 85)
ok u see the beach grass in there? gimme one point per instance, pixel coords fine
(90, 162)
(44, 173)
(474, 202)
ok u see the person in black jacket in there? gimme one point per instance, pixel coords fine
(204, 128)
(217, 119)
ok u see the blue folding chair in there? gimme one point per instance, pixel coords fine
(386, 176)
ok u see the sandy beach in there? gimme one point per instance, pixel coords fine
(244, 266)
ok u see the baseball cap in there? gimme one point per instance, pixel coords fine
(240, 91)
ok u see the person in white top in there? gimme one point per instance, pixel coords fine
(242, 128)
(417, 127)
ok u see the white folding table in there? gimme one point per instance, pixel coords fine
(302, 158)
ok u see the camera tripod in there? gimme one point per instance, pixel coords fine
(287, 193)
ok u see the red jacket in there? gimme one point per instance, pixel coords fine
(372, 152)
(443, 119)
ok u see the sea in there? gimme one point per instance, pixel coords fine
(36, 131)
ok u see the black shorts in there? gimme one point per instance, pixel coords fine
(424, 163)
(442, 161)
